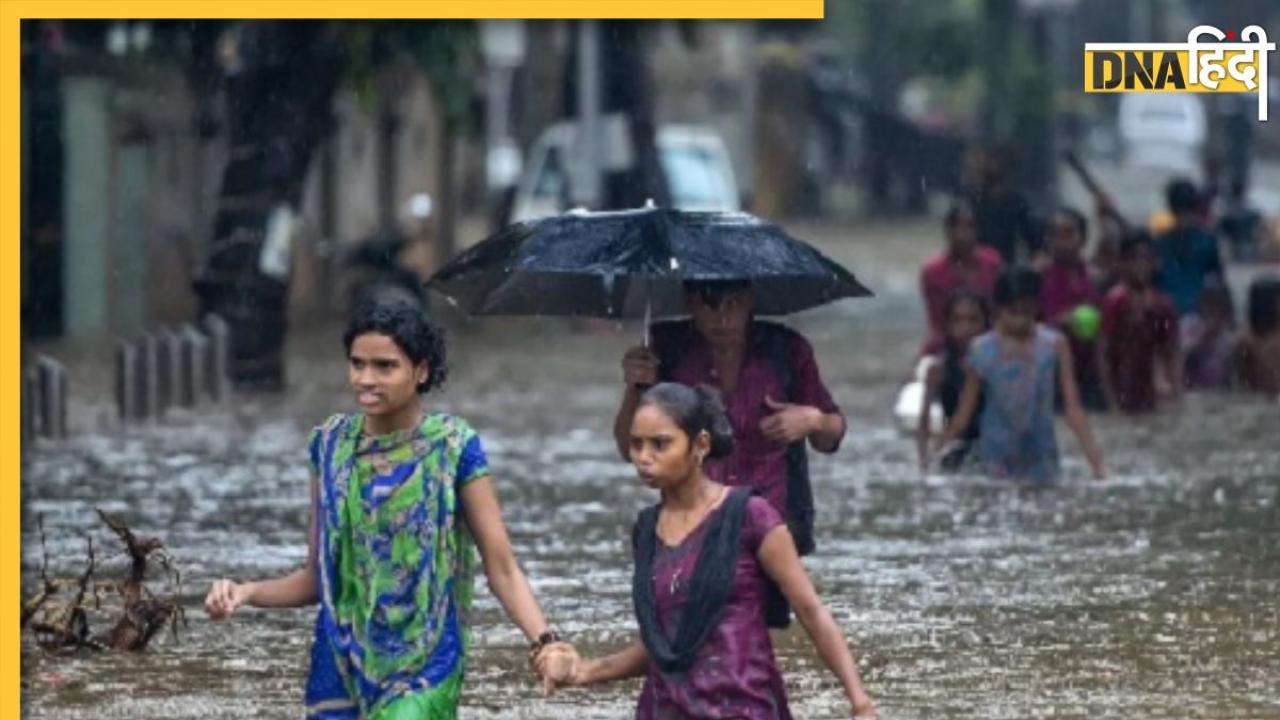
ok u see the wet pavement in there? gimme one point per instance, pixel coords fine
(1153, 594)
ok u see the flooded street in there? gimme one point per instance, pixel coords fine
(1154, 594)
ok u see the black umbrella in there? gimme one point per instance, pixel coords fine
(634, 263)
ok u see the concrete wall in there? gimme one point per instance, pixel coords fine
(140, 188)
(355, 166)
(86, 132)
(135, 206)
(355, 151)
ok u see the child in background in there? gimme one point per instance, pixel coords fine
(1014, 368)
(1258, 354)
(1067, 295)
(1209, 340)
(1139, 330)
(967, 317)
(964, 264)
(1188, 253)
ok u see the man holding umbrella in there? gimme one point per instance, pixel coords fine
(771, 386)
(722, 270)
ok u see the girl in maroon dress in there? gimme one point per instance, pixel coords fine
(705, 556)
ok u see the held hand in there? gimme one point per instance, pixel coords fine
(557, 665)
(640, 367)
(224, 597)
(789, 422)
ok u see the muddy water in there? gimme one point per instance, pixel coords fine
(1153, 594)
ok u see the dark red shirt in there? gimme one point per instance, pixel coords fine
(942, 275)
(1062, 289)
(1139, 325)
(754, 461)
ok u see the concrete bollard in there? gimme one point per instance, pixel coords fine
(166, 380)
(140, 397)
(149, 362)
(30, 405)
(52, 397)
(170, 367)
(172, 343)
(217, 377)
(194, 357)
(128, 384)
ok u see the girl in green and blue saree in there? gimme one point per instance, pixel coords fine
(402, 498)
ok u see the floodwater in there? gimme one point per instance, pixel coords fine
(1155, 594)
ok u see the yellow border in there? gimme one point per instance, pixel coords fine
(530, 9)
(10, 335)
(11, 14)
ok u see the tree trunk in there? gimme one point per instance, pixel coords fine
(628, 89)
(999, 25)
(882, 89)
(278, 91)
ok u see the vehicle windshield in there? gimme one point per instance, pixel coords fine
(694, 178)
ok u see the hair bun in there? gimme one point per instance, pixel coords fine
(696, 409)
(716, 420)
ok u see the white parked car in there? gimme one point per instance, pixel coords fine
(697, 166)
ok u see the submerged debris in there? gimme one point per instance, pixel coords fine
(61, 610)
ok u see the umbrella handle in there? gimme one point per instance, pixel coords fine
(648, 310)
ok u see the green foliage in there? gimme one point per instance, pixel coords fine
(942, 38)
(360, 66)
(447, 52)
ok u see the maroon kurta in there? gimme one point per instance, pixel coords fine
(735, 674)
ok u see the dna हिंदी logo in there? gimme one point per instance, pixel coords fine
(1225, 64)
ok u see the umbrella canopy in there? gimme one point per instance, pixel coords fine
(635, 262)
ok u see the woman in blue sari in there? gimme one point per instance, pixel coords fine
(401, 500)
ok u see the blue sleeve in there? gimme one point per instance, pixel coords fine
(320, 438)
(313, 452)
(472, 462)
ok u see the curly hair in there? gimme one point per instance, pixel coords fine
(406, 323)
